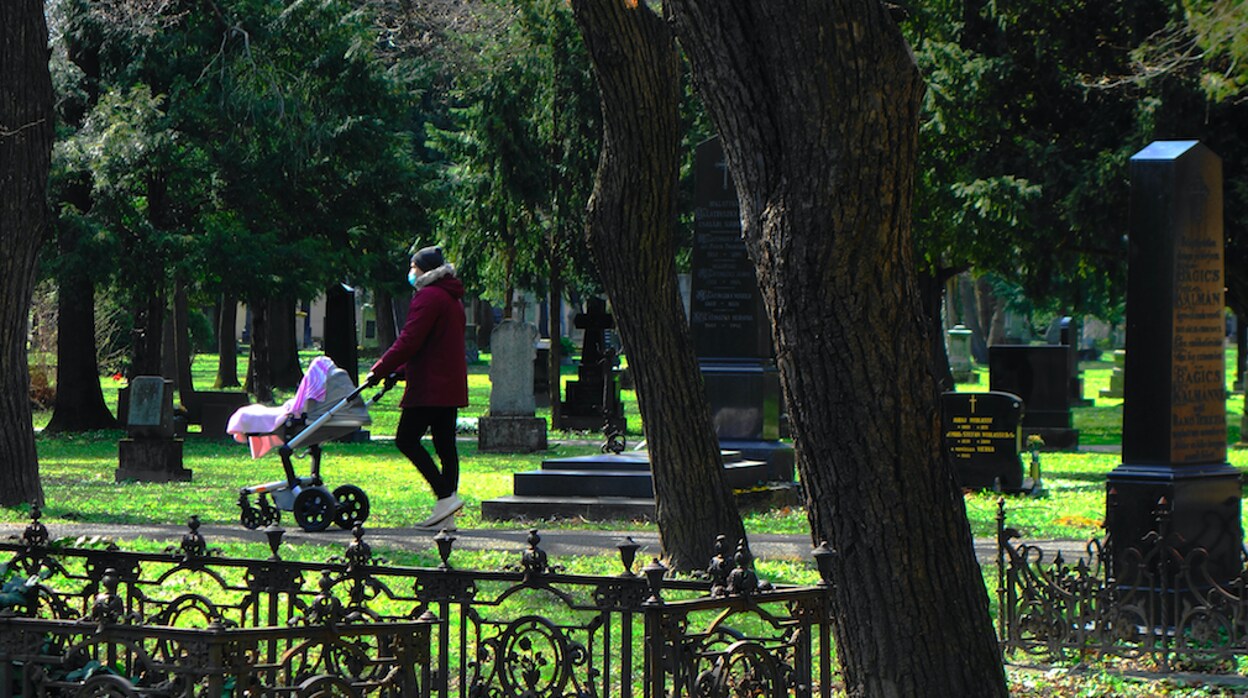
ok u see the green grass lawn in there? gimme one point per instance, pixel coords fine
(78, 472)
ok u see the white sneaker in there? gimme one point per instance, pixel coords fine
(443, 509)
(447, 524)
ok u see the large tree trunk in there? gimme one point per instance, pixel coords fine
(932, 292)
(25, 154)
(631, 228)
(182, 352)
(80, 402)
(227, 343)
(259, 377)
(817, 105)
(283, 347)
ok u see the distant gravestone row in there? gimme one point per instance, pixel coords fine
(1174, 476)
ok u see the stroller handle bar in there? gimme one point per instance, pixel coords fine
(309, 430)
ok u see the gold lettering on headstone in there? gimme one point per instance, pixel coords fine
(1198, 366)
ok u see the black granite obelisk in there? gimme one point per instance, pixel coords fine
(729, 324)
(1174, 477)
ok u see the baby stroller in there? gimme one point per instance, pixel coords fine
(327, 406)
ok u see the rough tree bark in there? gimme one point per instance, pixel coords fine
(227, 344)
(932, 292)
(817, 105)
(80, 402)
(631, 228)
(26, 132)
(283, 346)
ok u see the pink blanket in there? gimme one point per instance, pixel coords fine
(255, 424)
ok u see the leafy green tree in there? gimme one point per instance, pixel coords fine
(1210, 40)
(1023, 158)
(76, 267)
(253, 151)
(520, 146)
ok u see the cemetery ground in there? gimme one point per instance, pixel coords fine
(78, 476)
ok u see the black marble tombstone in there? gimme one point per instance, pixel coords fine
(1040, 375)
(729, 324)
(582, 406)
(1174, 431)
(982, 436)
(150, 452)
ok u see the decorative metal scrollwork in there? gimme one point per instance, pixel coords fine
(336, 665)
(109, 608)
(532, 657)
(139, 632)
(745, 669)
(193, 544)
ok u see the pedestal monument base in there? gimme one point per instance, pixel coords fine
(511, 434)
(150, 460)
(1201, 509)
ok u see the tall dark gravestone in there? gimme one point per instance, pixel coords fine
(728, 321)
(1174, 417)
(1040, 375)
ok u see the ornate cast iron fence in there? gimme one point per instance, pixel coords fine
(82, 621)
(1151, 602)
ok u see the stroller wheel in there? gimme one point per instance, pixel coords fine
(314, 509)
(352, 506)
(250, 519)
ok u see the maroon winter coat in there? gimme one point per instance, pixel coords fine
(431, 348)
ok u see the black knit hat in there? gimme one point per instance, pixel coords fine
(428, 258)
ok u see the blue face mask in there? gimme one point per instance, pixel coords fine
(411, 277)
